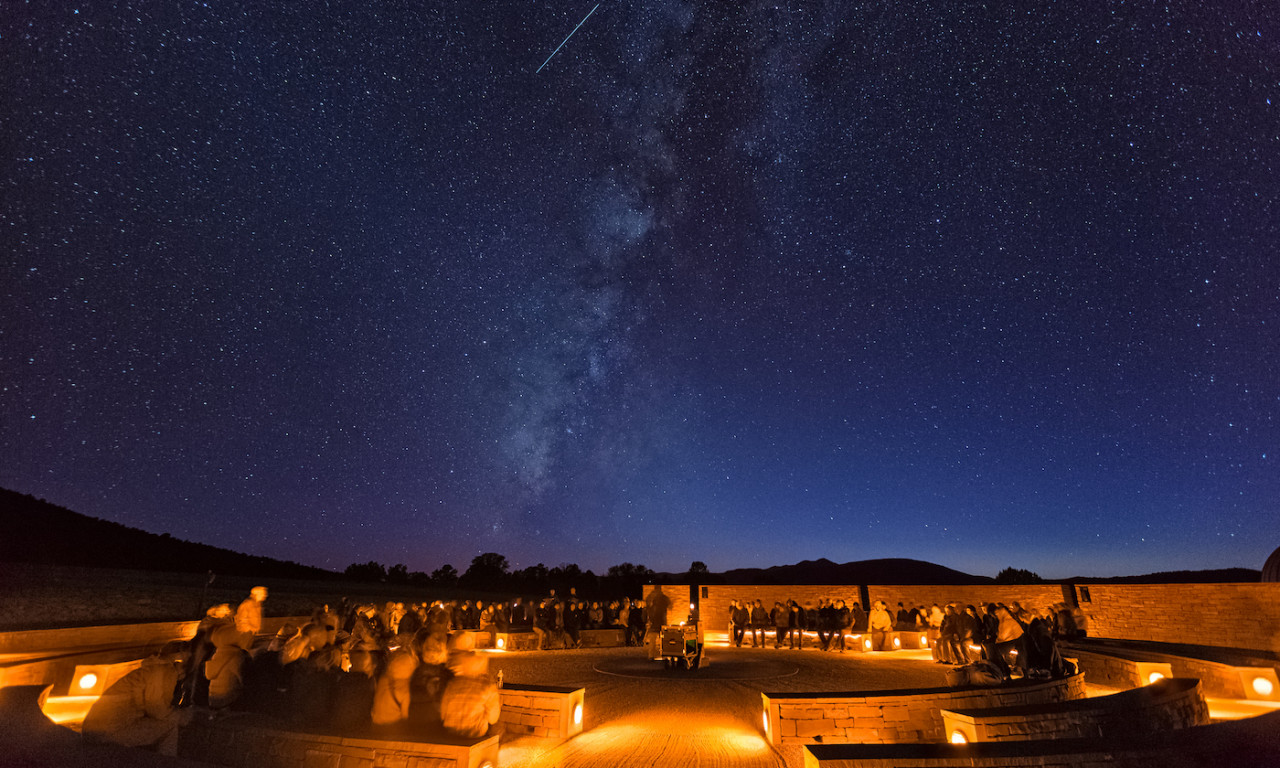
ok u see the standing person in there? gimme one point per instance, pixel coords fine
(826, 622)
(637, 621)
(573, 623)
(796, 625)
(740, 617)
(880, 624)
(759, 620)
(195, 686)
(249, 616)
(781, 620)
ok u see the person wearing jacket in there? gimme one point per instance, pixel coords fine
(137, 710)
(740, 618)
(781, 621)
(880, 623)
(759, 620)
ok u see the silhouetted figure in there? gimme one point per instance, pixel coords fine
(137, 710)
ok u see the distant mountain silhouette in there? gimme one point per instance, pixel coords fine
(823, 571)
(1218, 576)
(35, 531)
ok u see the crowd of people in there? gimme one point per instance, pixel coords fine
(1013, 640)
(558, 622)
(384, 665)
(359, 666)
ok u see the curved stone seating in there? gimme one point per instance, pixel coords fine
(244, 740)
(1250, 743)
(1165, 705)
(898, 716)
(1127, 666)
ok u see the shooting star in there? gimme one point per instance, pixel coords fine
(575, 29)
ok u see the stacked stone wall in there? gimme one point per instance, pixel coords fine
(1154, 709)
(897, 717)
(1033, 597)
(714, 608)
(545, 712)
(236, 744)
(1225, 615)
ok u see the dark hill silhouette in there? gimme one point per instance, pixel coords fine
(1217, 576)
(823, 571)
(36, 531)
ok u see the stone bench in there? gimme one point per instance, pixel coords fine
(43, 656)
(1121, 667)
(611, 637)
(896, 640)
(542, 710)
(244, 740)
(895, 716)
(1252, 742)
(1164, 705)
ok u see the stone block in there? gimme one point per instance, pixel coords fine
(810, 728)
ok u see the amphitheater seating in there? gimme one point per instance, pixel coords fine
(899, 716)
(243, 740)
(1249, 743)
(1167, 704)
(1221, 673)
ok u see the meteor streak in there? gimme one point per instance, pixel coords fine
(575, 29)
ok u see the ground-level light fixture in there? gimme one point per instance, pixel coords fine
(577, 714)
(958, 737)
(1155, 677)
(1259, 683)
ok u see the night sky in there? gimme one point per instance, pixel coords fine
(985, 284)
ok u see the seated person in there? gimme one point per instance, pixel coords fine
(137, 710)
(470, 702)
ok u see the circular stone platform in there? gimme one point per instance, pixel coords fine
(717, 667)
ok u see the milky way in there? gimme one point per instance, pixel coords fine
(745, 283)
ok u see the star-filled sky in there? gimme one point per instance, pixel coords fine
(985, 284)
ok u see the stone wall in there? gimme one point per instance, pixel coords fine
(1170, 704)
(1033, 597)
(545, 711)
(714, 608)
(892, 717)
(1227, 615)
(237, 743)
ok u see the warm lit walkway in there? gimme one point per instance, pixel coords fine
(637, 716)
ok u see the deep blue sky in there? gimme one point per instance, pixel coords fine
(746, 283)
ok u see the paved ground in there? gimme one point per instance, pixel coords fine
(639, 714)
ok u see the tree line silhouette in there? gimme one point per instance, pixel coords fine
(491, 572)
